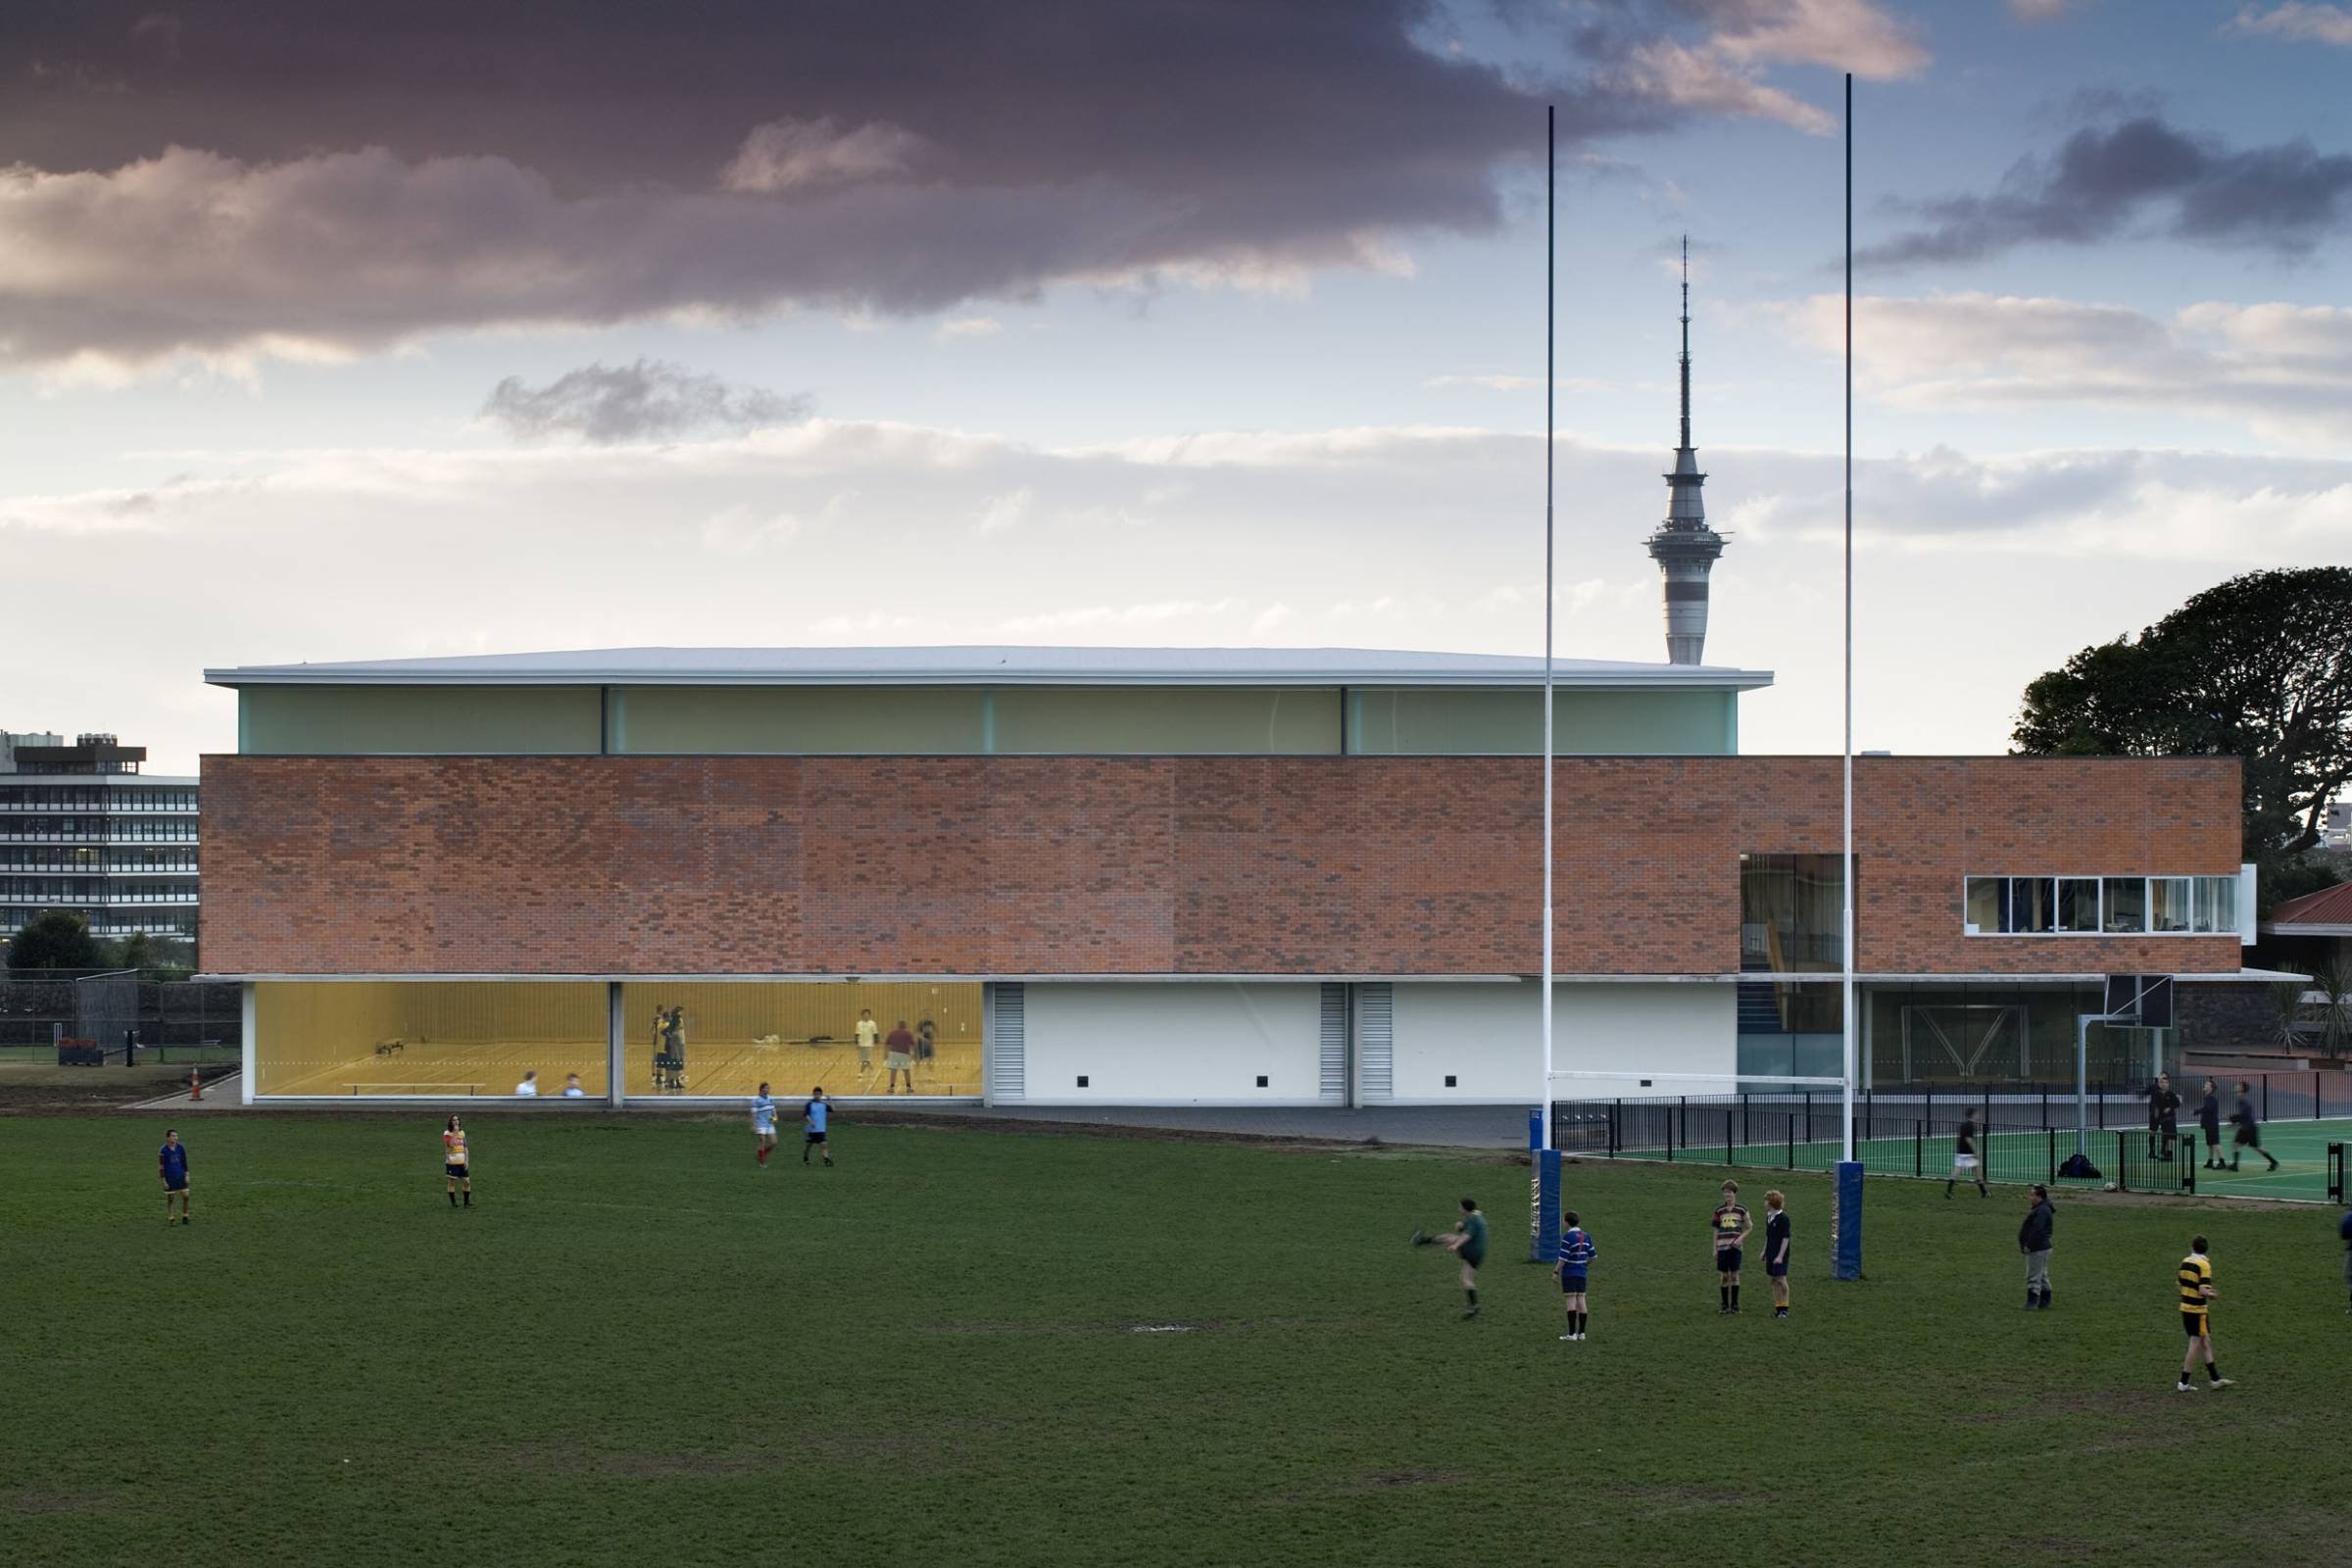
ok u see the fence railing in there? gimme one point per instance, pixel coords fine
(2018, 1132)
(127, 1017)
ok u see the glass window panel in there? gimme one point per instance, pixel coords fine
(2032, 904)
(2077, 904)
(1791, 908)
(1987, 898)
(2126, 900)
(2217, 905)
(798, 720)
(419, 721)
(423, 1037)
(718, 1038)
(1246, 722)
(2167, 904)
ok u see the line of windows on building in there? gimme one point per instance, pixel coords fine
(181, 922)
(83, 797)
(90, 861)
(98, 829)
(79, 891)
(2102, 906)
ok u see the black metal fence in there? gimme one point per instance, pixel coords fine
(125, 1015)
(2018, 1132)
(2336, 1173)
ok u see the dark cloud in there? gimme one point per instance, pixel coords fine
(337, 180)
(2282, 198)
(651, 400)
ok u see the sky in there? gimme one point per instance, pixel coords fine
(343, 332)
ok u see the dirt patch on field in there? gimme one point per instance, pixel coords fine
(1678, 1498)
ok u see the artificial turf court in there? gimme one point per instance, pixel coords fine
(640, 1348)
(2300, 1147)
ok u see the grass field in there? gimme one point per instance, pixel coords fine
(639, 1349)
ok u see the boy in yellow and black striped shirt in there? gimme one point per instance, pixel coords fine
(2197, 1297)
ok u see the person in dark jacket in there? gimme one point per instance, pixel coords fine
(2343, 1228)
(2209, 1117)
(2034, 1239)
(2164, 1116)
(2249, 1128)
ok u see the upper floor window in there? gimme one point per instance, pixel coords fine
(2101, 905)
(1791, 908)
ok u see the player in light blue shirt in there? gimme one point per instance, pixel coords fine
(1577, 1253)
(814, 1117)
(763, 1125)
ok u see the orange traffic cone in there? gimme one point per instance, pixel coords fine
(195, 1083)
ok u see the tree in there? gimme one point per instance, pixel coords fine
(134, 952)
(2259, 667)
(55, 939)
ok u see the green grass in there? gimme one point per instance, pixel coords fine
(637, 1349)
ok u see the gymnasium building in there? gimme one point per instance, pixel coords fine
(1120, 876)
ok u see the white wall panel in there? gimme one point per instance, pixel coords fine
(1486, 1038)
(1179, 1044)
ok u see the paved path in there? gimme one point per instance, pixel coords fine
(1450, 1126)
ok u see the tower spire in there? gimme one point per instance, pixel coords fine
(1683, 545)
(1686, 340)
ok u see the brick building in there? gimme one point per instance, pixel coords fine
(1139, 876)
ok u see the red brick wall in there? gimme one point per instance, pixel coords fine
(1149, 865)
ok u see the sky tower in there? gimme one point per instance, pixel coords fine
(1685, 547)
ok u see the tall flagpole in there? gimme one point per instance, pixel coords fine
(1550, 241)
(1845, 979)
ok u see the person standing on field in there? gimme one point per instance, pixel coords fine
(764, 1126)
(814, 1119)
(2209, 1117)
(1775, 1251)
(2343, 1229)
(2035, 1238)
(2249, 1128)
(1727, 1230)
(1575, 1266)
(172, 1161)
(1967, 1166)
(2164, 1116)
(457, 1167)
(2197, 1295)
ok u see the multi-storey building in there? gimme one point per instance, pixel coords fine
(82, 828)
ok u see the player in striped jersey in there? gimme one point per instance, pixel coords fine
(2197, 1297)
(1727, 1229)
(1575, 1265)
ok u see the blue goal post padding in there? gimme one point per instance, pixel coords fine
(1544, 1225)
(1846, 1224)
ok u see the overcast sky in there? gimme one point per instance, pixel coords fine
(490, 328)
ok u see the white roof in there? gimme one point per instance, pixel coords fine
(988, 666)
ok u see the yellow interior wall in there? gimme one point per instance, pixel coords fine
(463, 1037)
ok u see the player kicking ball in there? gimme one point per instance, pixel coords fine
(764, 1126)
(2197, 1297)
(172, 1161)
(1575, 1269)
(1467, 1241)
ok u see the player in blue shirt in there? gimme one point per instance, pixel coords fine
(814, 1117)
(172, 1161)
(1775, 1251)
(764, 1126)
(1575, 1263)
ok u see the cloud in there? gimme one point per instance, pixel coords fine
(1008, 510)
(291, 192)
(969, 327)
(792, 155)
(2305, 23)
(650, 400)
(2282, 198)
(2284, 371)
(1975, 574)
(2033, 12)
(1522, 383)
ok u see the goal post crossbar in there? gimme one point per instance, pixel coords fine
(1732, 1081)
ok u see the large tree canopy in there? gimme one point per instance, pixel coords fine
(55, 939)
(2259, 667)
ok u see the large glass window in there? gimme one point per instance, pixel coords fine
(2217, 905)
(1791, 908)
(2032, 905)
(726, 1037)
(426, 1037)
(1987, 904)
(2077, 904)
(2127, 903)
(2167, 904)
